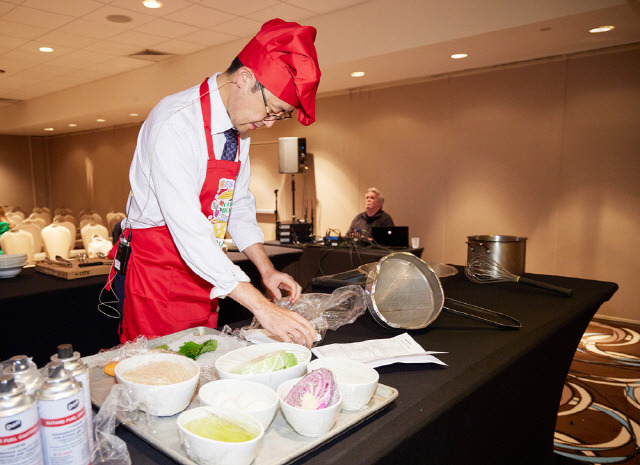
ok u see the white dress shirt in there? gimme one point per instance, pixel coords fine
(167, 175)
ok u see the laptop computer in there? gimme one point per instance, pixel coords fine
(391, 236)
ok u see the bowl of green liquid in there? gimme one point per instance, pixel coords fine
(211, 435)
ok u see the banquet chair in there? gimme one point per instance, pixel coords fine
(113, 218)
(65, 216)
(14, 219)
(88, 230)
(91, 214)
(57, 241)
(17, 241)
(89, 219)
(34, 218)
(39, 212)
(18, 215)
(35, 230)
(73, 231)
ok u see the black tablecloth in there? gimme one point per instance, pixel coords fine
(320, 260)
(497, 400)
(39, 311)
(495, 403)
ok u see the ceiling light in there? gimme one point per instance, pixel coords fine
(357, 74)
(46, 49)
(601, 29)
(72, 125)
(100, 120)
(48, 129)
(152, 3)
(457, 56)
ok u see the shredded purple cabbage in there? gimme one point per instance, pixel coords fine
(315, 391)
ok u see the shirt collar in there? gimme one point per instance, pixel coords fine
(220, 121)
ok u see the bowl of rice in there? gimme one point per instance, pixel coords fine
(163, 383)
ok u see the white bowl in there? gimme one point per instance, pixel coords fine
(207, 451)
(258, 400)
(232, 360)
(160, 399)
(10, 272)
(310, 423)
(357, 381)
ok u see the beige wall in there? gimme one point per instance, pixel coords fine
(546, 150)
(16, 181)
(91, 170)
(549, 151)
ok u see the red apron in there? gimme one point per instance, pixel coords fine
(162, 294)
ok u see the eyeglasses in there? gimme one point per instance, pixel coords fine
(270, 116)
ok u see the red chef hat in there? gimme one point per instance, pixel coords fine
(284, 60)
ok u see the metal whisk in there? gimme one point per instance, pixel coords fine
(482, 269)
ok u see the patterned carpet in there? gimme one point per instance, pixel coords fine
(599, 415)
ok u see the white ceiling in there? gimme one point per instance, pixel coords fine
(391, 40)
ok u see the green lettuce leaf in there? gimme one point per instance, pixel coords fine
(194, 350)
(267, 363)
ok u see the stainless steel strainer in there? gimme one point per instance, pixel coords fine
(404, 292)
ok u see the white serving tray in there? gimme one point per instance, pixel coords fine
(281, 444)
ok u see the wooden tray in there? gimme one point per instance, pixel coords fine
(74, 271)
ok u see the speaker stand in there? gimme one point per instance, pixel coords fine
(293, 198)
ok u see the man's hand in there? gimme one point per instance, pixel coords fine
(287, 325)
(276, 281)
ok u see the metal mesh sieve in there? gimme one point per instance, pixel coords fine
(404, 292)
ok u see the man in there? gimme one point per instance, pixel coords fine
(190, 185)
(373, 215)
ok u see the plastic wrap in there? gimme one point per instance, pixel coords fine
(109, 448)
(126, 350)
(325, 311)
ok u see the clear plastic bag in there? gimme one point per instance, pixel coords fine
(109, 448)
(325, 311)
(126, 350)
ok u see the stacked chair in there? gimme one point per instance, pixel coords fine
(42, 234)
(17, 241)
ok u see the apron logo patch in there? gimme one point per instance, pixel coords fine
(221, 207)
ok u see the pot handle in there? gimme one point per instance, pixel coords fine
(480, 244)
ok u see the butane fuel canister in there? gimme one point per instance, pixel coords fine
(24, 371)
(20, 442)
(80, 371)
(62, 418)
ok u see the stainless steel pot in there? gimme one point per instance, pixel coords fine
(507, 251)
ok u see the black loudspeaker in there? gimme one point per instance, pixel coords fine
(292, 154)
